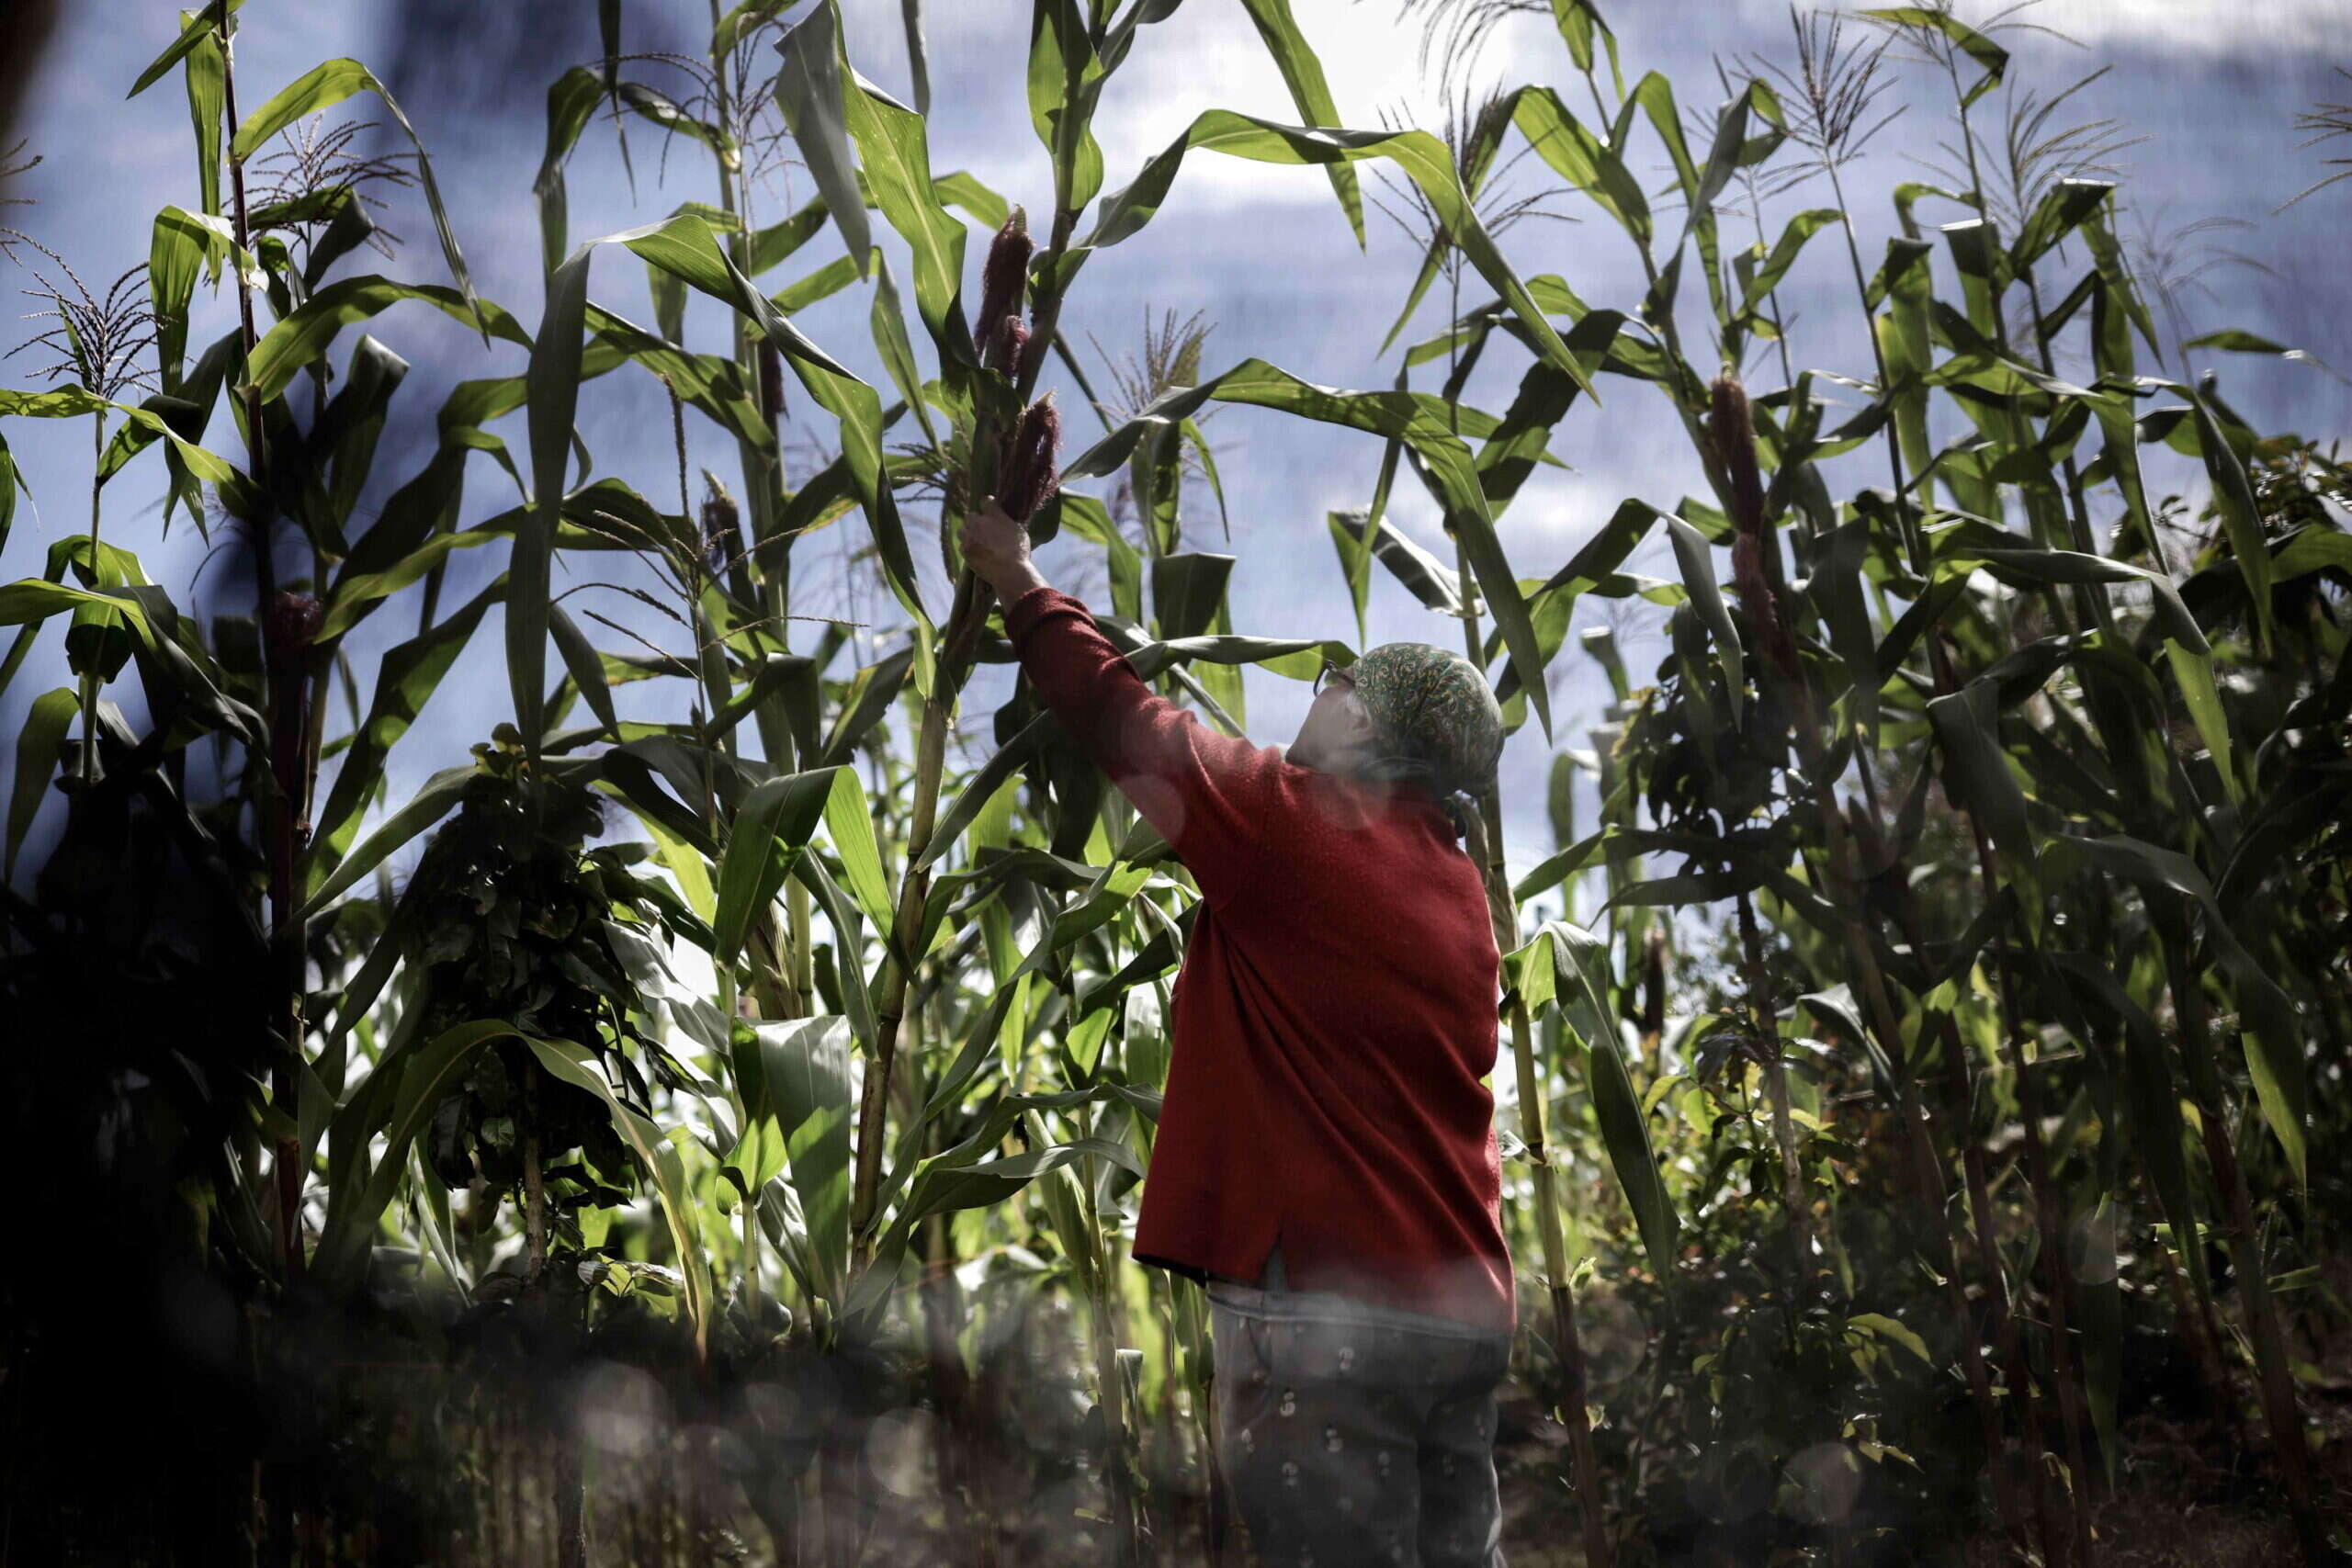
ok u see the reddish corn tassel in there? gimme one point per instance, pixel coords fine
(294, 620)
(1032, 349)
(1005, 278)
(1009, 346)
(1029, 478)
(289, 628)
(1734, 434)
(1734, 431)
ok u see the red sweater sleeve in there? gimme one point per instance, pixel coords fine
(1207, 793)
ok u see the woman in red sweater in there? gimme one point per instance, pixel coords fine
(1325, 1161)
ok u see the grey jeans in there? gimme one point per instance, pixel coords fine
(1349, 1444)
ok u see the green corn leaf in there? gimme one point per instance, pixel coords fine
(1557, 869)
(1065, 75)
(981, 788)
(2271, 1032)
(2232, 340)
(685, 247)
(575, 1065)
(1836, 592)
(2192, 671)
(960, 187)
(849, 827)
(2241, 514)
(770, 245)
(650, 103)
(406, 678)
(587, 666)
(1584, 159)
(1655, 94)
(918, 56)
(804, 1079)
(1420, 155)
(2152, 1084)
(9, 484)
(1594, 564)
(434, 800)
(1475, 163)
(811, 92)
(1417, 419)
(889, 323)
(1350, 536)
(572, 102)
(552, 389)
(39, 744)
(1303, 74)
(893, 144)
(1976, 771)
(1785, 250)
(849, 947)
(207, 79)
(2059, 213)
(1187, 592)
(1690, 552)
(70, 403)
(1989, 56)
(1576, 953)
(323, 87)
(195, 27)
(303, 337)
(872, 693)
(414, 1083)
(771, 828)
(1878, 1325)
(1579, 22)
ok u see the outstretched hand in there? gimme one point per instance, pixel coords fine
(996, 548)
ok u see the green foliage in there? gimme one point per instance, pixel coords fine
(1962, 916)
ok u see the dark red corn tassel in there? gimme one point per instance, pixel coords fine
(293, 623)
(1005, 278)
(1734, 431)
(1009, 347)
(1032, 349)
(1031, 478)
(294, 620)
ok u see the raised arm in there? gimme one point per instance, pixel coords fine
(1207, 793)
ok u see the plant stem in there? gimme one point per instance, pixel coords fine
(930, 744)
(2271, 1365)
(957, 640)
(1764, 1020)
(1945, 683)
(1485, 849)
(1103, 1274)
(285, 933)
(89, 760)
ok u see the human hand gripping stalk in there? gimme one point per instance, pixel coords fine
(996, 547)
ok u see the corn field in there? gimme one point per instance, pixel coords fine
(704, 1121)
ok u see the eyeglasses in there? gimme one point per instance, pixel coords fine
(1323, 677)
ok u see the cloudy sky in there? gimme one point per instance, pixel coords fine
(2204, 91)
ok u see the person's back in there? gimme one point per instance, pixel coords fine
(1335, 1098)
(1326, 1160)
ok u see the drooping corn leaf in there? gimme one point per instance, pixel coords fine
(322, 87)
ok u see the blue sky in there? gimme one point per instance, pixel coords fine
(1262, 251)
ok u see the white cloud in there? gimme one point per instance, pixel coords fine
(2200, 28)
(1206, 56)
(2195, 27)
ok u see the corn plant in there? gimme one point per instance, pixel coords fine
(806, 1042)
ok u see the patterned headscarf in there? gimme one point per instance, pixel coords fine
(1435, 716)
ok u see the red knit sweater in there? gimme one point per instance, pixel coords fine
(1334, 1018)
